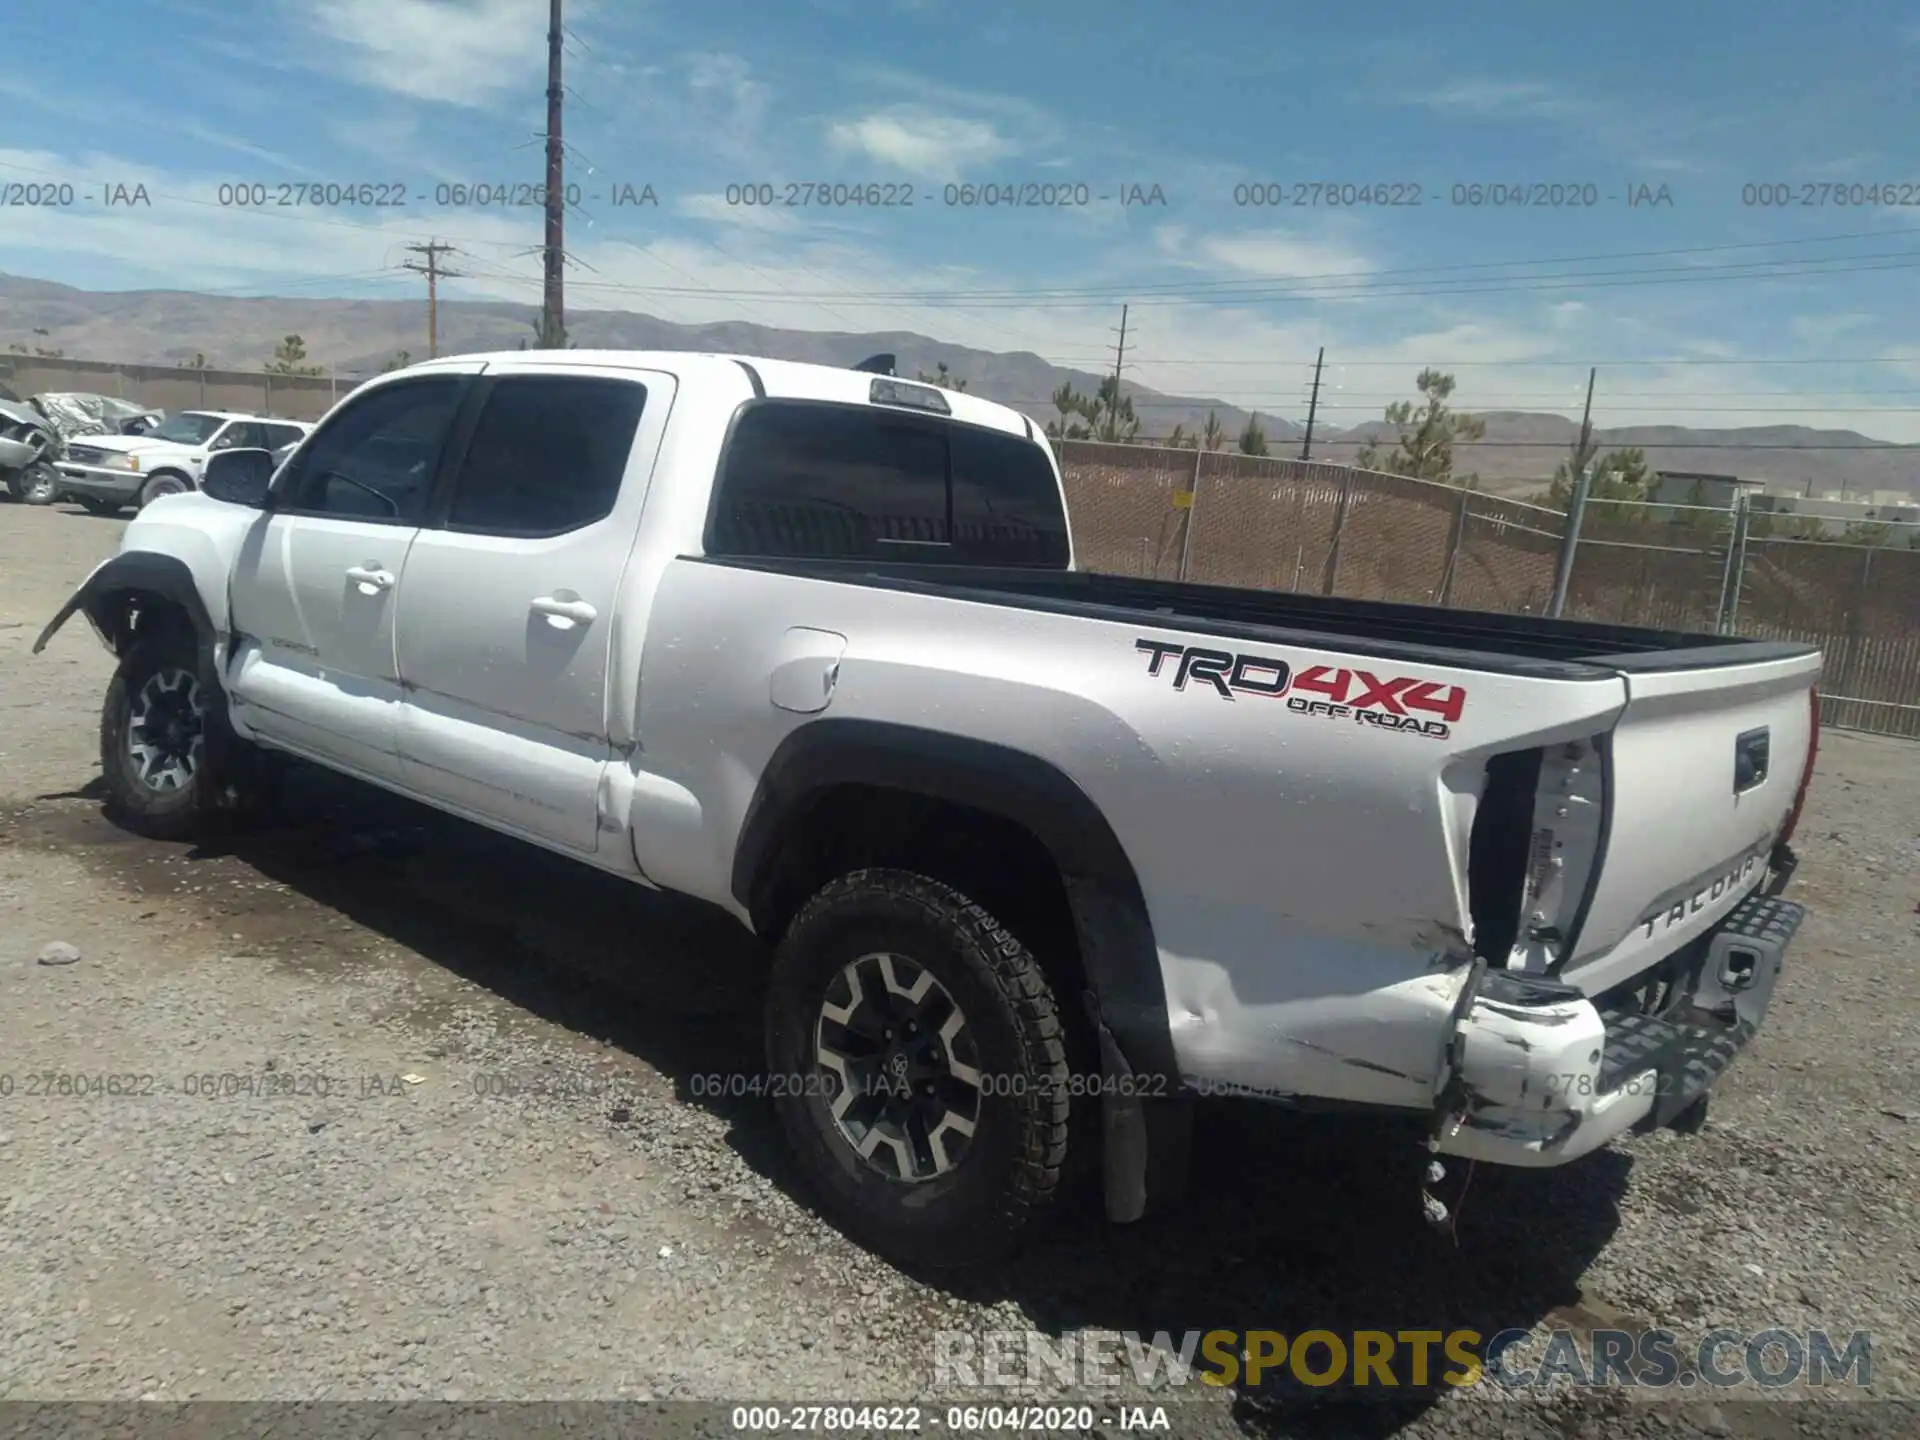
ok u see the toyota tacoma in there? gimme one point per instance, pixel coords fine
(1041, 855)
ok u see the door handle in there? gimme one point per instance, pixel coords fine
(563, 613)
(370, 578)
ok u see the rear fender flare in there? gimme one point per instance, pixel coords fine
(1111, 922)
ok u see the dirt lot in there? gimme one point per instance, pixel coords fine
(520, 1183)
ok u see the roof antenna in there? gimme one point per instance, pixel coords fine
(876, 365)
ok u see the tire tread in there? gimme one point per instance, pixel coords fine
(1028, 997)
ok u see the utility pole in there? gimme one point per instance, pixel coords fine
(553, 317)
(1586, 419)
(1313, 406)
(1119, 359)
(430, 267)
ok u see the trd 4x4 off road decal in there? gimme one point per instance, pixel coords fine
(1368, 699)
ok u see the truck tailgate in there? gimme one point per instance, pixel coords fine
(1705, 764)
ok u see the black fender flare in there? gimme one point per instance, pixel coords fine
(143, 572)
(1109, 909)
(102, 599)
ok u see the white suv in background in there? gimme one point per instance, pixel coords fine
(108, 472)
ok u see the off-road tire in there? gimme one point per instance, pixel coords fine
(163, 814)
(1012, 1169)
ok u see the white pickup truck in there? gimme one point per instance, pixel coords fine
(1043, 854)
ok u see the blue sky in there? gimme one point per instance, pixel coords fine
(1201, 98)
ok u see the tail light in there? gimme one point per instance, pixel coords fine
(1806, 775)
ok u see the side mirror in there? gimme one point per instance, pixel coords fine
(239, 476)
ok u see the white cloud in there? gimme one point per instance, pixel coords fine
(1645, 136)
(461, 52)
(98, 106)
(1499, 97)
(1263, 254)
(921, 142)
(1827, 326)
(714, 208)
(714, 98)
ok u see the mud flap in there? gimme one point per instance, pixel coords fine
(1146, 1139)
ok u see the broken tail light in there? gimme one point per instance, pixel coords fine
(1806, 773)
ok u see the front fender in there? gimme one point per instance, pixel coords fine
(111, 598)
(180, 549)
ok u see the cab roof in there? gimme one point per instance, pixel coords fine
(781, 379)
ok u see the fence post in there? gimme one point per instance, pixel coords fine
(1332, 577)
(1570, 539)
(203, 387)
(1728, 567)
(1193, 503)
(1454, 540)
(1729, 617)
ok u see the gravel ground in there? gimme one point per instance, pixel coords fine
(520, 1184)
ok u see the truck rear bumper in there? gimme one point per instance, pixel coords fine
(1541, 1074)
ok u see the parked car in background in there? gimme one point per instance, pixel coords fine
(34, 433)
(28, 442)
(105, 473)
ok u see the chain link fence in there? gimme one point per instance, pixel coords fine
(1223, 518)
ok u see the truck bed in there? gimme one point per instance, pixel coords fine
(1482, 640)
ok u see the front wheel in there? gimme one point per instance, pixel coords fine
(920, 1068)
(165, 483)
(39, 484)
(153, 733)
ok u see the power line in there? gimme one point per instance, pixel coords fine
(974, 300)
(1151, 287)
(1338, 285)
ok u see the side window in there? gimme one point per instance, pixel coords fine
(374, 460)
(547, 455)
(279, 435)
(1006, 502)
(832, 480)
(238, 434)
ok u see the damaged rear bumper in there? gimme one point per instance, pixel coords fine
(1539, 1074)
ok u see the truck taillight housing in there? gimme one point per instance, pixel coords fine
(1806, 774)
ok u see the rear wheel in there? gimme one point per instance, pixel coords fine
(153, 732)
(165, 483)
(920, 1068)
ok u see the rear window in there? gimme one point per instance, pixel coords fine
(831, 481)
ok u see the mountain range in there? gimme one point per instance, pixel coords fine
(356, 337)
